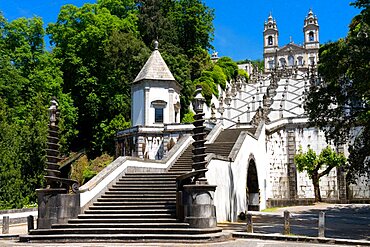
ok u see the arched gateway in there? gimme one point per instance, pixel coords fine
(252, 190)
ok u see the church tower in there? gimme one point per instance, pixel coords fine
(311, 37)
(270, 43)
(155, 94)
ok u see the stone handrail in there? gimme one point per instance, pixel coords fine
(211, 137)
(100, 183)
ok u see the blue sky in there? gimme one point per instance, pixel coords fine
(238, 24)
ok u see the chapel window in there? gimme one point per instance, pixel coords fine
(158, 118)
(158, 106)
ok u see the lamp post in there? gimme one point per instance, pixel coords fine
(199, 209)
(199, 134)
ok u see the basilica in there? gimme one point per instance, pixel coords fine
(291, 55)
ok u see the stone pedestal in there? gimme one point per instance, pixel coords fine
(199, 210)
(55, 206)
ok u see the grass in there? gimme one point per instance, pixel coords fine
(270, 210)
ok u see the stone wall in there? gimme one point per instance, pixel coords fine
(280, 150)
(277, 186)
(360, 190)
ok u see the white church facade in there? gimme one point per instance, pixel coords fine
(291, 55)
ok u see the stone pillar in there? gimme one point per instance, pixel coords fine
(199, 209)
(322, 225)
(6, 223)
(286, 223)
(342, 185)
(140, 146)
(292, 170)
(55, 206)
(249, 223)
(341, 180)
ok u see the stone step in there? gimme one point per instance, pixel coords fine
(123, 216)
(140, 200)
(123, 225)
(134, 203)
(140, 197)
(135, 230)
(132, 211)
(143, 185)
(171, 188)
(185, 169)
(141, 193)
(159, 238)
(150, 175)
(138, 207)
(147, 179)
(123, 220)
(173, 181)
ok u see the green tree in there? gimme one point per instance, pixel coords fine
(313, 163)
(194, 25)
(184, 30)
(341, 102)
(29, 76)
(87, 42)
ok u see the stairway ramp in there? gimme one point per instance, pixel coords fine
(138, 207)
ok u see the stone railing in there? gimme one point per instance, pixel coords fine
(109, 175)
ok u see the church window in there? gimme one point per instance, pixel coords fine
(158, 118)
(271, 64)
(311, 36)
(282, 62)
(290, 60)
(312, 60)
(300, 60)
(269, 40)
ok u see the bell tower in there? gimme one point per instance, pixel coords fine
(311, 37)
(270, 42)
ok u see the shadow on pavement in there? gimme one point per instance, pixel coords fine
(346, 222)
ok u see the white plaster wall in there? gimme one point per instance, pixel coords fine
(219, 173)
(137, 107)
(231, 178)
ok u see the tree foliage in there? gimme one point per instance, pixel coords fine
(96, 52)
(341, 102)
(29, 76)
(318, 166)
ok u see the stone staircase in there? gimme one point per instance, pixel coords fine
(139, 206)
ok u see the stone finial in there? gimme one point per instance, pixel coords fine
(156, 43)
(53, 112)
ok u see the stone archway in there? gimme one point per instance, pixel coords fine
(252, 190)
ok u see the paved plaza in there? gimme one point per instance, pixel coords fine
(343, 221)
(231, 243)
(349, 221)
